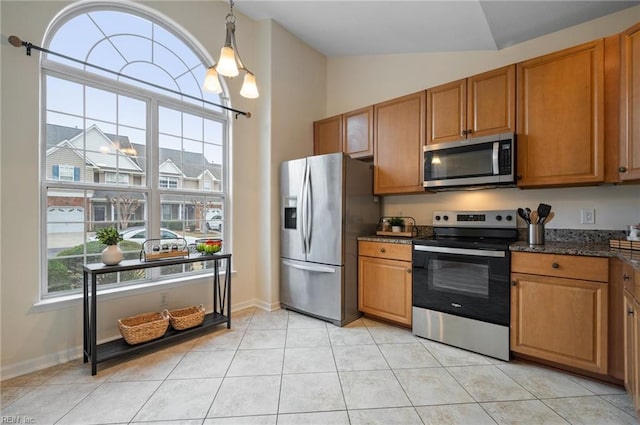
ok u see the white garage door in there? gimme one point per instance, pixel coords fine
(65, 219)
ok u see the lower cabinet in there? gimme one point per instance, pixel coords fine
(559, 306)
(632, 350)
(632, 339)
(384, 280)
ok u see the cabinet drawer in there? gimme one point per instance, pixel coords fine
(393, 251)
(568, 266)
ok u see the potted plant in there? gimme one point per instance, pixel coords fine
(110, 237)
(397, 223)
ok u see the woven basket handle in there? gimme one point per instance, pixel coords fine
(165, 314)
(201, 308)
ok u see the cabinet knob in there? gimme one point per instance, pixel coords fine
(383, 250)
(555, 265)
(630, 312)
(514, 283)
(409, 271)
(469, 131)
(625, 277)
(622, 169)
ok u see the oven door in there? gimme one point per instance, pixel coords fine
(471, 283)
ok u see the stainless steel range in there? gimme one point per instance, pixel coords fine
(461, 290)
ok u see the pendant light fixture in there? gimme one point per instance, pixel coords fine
(229, 64)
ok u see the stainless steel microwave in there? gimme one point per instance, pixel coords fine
(480, 161)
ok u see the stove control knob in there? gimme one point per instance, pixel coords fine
(437, 218)
(445, 218)
(498, 217)
(509, 218)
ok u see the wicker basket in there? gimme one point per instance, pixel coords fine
(186, 318)
(143, 327)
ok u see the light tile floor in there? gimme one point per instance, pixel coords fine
(286, 368)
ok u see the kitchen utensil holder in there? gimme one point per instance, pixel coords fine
(536, 234)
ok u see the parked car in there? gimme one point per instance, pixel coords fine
(214, 220)
(139, 235)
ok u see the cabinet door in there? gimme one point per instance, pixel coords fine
(615, 349)
(560, 320)
(327, 135)
(630, 137)
(398, 141)
(631, 350)
(446, 109)
(560, 117)
(491, 102)
(384, 288)
(358, 133)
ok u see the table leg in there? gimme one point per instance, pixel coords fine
(85, 318)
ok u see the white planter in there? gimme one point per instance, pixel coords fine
(396, 228)
(111, 255)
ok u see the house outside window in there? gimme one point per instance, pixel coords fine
(152, 147)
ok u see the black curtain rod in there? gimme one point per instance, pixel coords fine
(17, 42)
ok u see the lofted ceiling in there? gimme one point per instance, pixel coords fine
(361, 27)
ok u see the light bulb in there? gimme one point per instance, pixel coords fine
(211, 82)
(249, 87)
(227, 66)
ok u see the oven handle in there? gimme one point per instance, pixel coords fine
(461, 251)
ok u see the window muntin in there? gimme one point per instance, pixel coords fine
(103, 133)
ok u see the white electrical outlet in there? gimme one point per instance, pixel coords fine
(588, 216)
(163, 299)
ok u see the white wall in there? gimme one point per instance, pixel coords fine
(354, 82)
(292, 96)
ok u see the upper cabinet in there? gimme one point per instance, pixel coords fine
(630, 105)
(399, 134)
(327, 135)
(475, 106)
(351, 133)
(560, 121)
(358, 133)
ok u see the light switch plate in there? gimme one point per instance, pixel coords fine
(588, 216)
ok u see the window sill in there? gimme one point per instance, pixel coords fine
(72, 300)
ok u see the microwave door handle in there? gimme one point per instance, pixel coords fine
(496, 158)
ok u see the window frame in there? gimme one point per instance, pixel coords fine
(153, 99)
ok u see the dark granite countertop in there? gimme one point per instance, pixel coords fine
(568, 248)
(389, 239)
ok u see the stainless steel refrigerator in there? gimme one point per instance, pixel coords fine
(326, 203)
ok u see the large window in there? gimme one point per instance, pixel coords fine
(119, 152)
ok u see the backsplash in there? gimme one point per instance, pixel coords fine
(554, 235)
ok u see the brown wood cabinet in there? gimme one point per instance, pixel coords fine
(618, 269)
(559, 309)
(358, 133)
(631, 318)
(351, 133)
(399, 134)
(327, 135)
(476, 106)
(384, 280)
(630, 95)
(632, 349)
(561, 117)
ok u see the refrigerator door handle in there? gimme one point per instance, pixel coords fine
(303, 210)
(309, 210)
(319, 269)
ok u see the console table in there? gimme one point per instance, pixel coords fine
(98, 353)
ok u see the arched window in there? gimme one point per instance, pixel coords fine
(130, 140)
